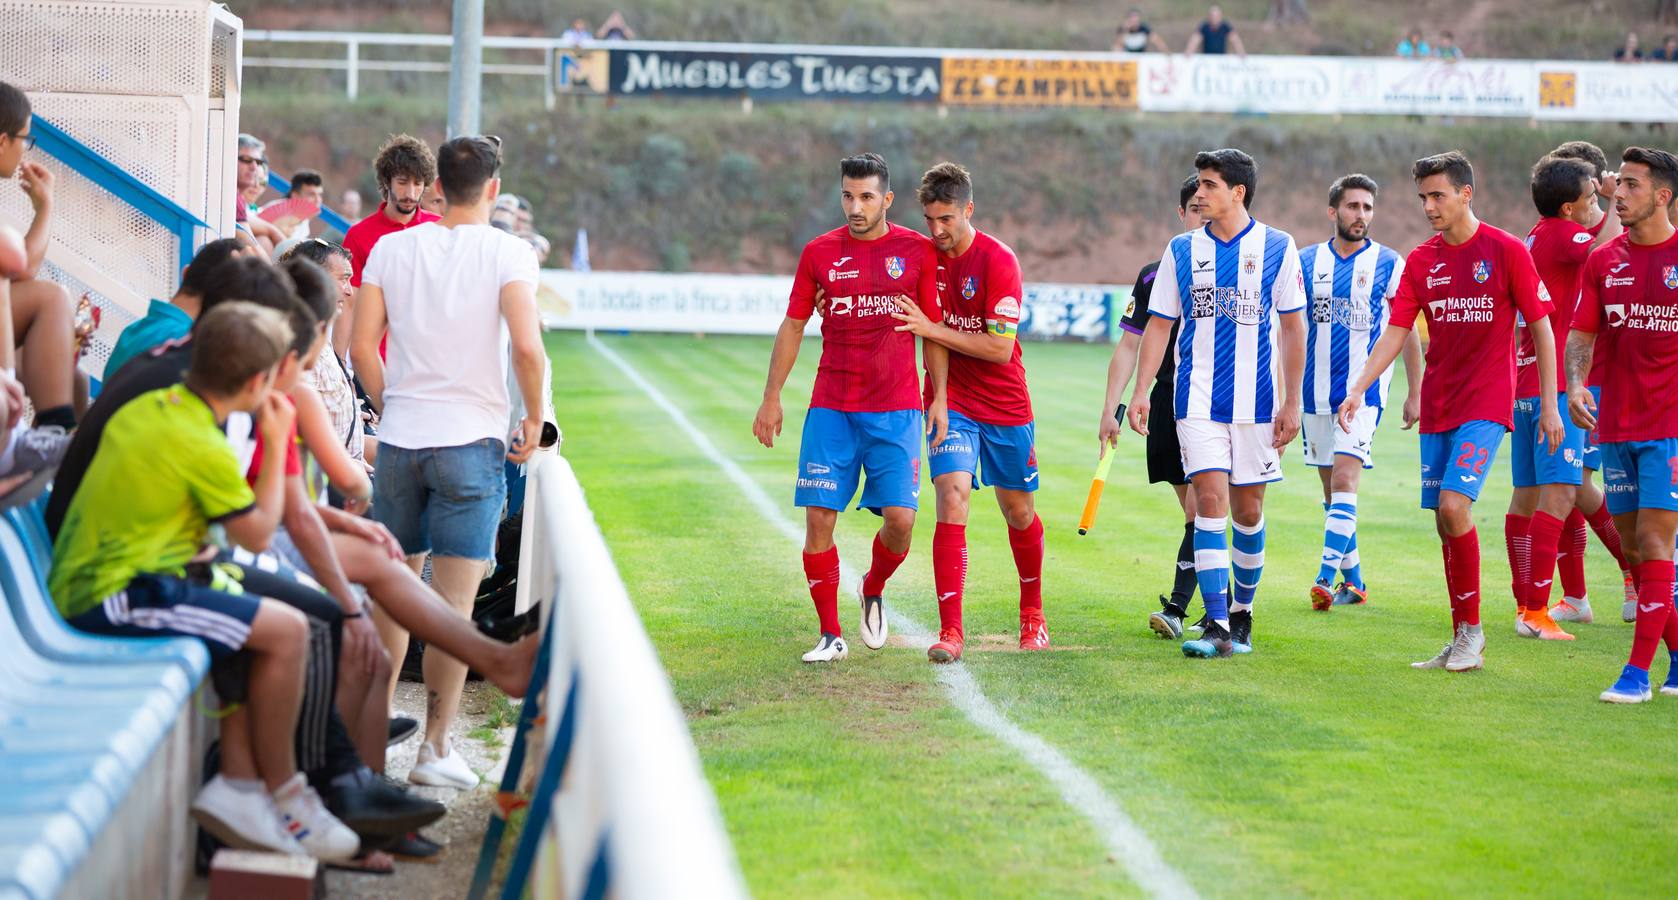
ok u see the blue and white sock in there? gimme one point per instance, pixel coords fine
(1340, 528)
(1211, 567)
(1349, 568)
(1248, 563)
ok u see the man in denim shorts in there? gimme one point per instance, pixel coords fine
(453, 294)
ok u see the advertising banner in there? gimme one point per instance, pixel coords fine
(1607, 91)
(1003, 81)
(1437, 87)
(1254, 84)
(773, 76)
(756, 304)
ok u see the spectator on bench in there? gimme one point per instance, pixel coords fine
(172, 321)
(325, 750)
(250, 180)
(331, 375)
(162, 475)
(39, 317)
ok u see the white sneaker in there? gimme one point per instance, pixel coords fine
(829, 648)
(1571, 610)
(446, 769)
(306, 819)
(873, 620)
(1438, 662)
(245, 820)
(1467, 650)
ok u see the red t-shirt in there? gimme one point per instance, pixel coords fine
(867, 365)
(364, 234)
(1559, 248)
(293, 457)
(981, 291)
(1470, 294)
(1628, 297)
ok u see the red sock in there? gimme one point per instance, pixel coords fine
(821, 570)
(1450, 586)
(1570, 555)
(1603, 524)
(1517, 542)
(949, 572)
(1545, 534)
(1654, 608)
(885, 563)
(1465, 576)
(1028, 559)
(1670, 634)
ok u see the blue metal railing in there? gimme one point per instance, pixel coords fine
(84, 161)
(332, 219)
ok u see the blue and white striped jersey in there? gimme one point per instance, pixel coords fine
(1350, 302)
(1228, 367)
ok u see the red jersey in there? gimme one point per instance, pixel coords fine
(1629, 299)
(981, 291)
(364, 234)
(1470, 294)
(1559, 248)
(867, 365)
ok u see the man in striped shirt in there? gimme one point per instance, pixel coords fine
(1235, 285)
(1351, 281)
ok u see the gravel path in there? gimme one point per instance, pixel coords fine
(461, 832)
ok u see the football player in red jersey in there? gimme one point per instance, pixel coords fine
(1470, 280)
(992, 435)
(1629, 296)
(865, 414)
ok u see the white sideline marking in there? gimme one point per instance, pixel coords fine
(1124, 838)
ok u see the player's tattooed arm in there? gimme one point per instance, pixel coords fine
(1581, 406)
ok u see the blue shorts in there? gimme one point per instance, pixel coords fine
(839, 448)
(1458, 460)
(442, 500)
(1640, 475)
(1006, 454)
(1533, 462)
(1593, 455)
(169, 606)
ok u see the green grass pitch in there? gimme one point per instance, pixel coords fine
(1319, 765)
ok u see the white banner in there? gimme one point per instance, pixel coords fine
(1607, 91)
(1257, 84)
(1437, 87)
(756, 304)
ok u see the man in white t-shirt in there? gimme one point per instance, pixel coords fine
(459, 300)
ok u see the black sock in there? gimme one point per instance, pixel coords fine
(62, 416)
(1182, 590)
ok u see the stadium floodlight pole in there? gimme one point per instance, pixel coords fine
(466, 67)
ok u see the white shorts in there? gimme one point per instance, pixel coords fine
(1324, 438)
(1243, 451)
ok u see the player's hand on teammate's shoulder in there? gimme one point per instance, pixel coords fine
(909, 313)
(766, 426)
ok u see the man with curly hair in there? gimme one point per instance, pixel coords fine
(405, 168)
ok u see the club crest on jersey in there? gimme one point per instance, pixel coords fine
(1363, 280)
(1249, 264)
(894, 266)
(1482, 271)
(969, 286)
(1669, 277)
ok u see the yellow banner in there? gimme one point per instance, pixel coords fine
(993, 81)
